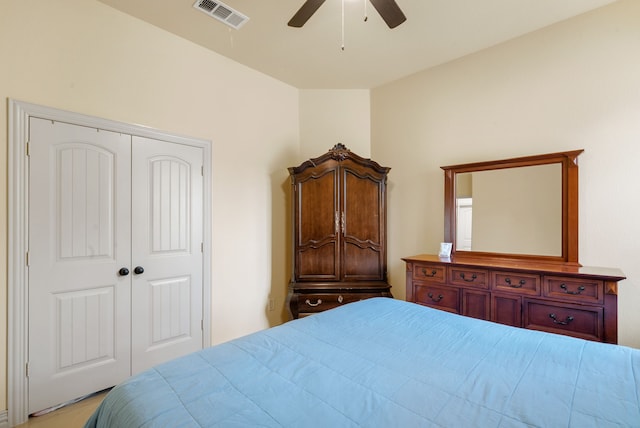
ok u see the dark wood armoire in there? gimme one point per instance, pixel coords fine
(339, 218)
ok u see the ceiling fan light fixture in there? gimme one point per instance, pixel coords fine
(388, 10)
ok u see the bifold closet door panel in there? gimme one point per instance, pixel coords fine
(167, 261)
(79, 240)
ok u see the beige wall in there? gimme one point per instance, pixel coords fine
(83, 56)
(570, 86)
(328, 117)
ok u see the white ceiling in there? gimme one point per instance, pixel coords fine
(436, 31)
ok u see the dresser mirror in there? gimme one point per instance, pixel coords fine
(520, 208)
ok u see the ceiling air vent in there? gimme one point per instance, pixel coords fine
(221, 12)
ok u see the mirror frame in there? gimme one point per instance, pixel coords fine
(569, 163)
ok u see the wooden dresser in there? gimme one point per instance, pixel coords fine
(339, 232)
(558, 298)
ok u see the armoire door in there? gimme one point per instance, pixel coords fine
(362, 194)
(318, 223)
(115, 257)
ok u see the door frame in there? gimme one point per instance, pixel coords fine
(18, 234)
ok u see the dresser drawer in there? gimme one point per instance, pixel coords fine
(578, 290)
(585, 322)
(469, 277)
(521, 283)
(427, 272)
(441, 297)
(312, 303)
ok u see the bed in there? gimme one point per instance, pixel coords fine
(386, 363)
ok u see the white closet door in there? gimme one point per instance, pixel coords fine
(167, 233)
(464, 226)
(79, 238)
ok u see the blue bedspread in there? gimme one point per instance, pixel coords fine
(386, 363)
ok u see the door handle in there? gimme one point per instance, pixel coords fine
(123, 271)
(138, 270)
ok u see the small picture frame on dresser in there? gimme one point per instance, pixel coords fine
(445, 250)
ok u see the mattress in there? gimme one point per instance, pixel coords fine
(385, 363)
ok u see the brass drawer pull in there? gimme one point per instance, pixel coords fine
(473, 277)
(437, 299)
(564, 287)
(565, 322)
(433, 273)
(318, 302)
(518, 285)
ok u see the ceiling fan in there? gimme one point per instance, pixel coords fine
(388, 10)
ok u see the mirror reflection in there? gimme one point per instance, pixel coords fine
(512, 210)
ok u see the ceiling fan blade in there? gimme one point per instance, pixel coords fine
(390, 12)
(304, 13)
